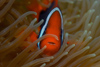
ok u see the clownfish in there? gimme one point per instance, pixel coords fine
(53, 24)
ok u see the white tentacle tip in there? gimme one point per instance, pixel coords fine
(87, 47)
(96, 2)
(93, 55)
(66, 34)
(73, 45)
(43, 65)
(90, 37)
(85, 31)
(35, 19)
(52, 57)
(78, 16)
(48, 61)
(93, 10)
(71, 2)
(42, 20)
(35, 13)
(65, 53)
(97, 16)
(45, 47)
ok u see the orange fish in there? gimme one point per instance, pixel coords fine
(53, 24)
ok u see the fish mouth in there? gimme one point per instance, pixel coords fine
(51, 43)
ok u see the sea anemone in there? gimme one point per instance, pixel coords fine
(81, 46)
